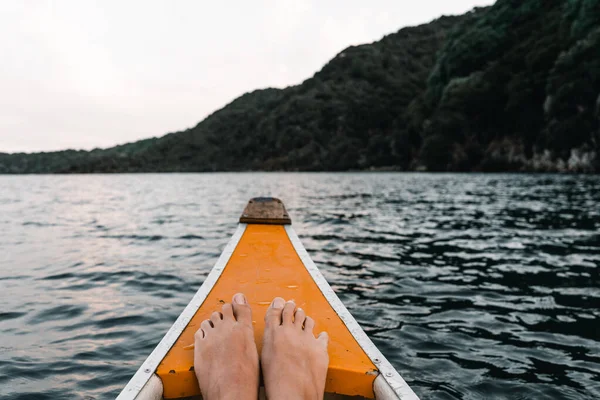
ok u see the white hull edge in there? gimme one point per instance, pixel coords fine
(147, 369)
(146, 385)
(387, 372)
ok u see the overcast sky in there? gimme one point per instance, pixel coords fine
(84, 74)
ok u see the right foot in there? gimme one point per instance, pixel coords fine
(294, 362)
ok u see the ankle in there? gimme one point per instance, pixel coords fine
(233, 392)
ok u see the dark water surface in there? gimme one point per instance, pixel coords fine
(474, 286)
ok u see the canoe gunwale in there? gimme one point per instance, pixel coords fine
(391, 378)
(387, 385)
(149, 366)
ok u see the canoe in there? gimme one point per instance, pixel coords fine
(265, 259)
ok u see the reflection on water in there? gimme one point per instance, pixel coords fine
(474, 286)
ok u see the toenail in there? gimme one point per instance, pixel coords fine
(239, 298)
(278, 302)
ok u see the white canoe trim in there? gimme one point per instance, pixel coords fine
(145, 385)
(147, 369)
(392, 381)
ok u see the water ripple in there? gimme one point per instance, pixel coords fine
(474, 286)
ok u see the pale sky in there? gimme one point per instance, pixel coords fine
(83, 74)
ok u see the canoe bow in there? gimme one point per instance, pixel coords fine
(265, 259)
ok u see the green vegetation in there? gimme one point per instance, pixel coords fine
(512, 87)
(516, 89)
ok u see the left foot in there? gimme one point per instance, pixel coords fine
(225, 355)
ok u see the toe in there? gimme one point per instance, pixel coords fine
(199, 335)
(288, 312)
(273, 315)
(227, 311)
(206, 326)
(216, 317)
(241, 309)
(323, 339)
(299, 318)
(309, 324)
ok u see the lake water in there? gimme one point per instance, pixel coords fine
(473, 286)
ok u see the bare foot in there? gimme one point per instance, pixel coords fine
(294, 362)
(225, 355)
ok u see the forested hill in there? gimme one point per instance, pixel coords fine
(511, 87)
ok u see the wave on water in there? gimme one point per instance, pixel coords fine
(473, 286)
